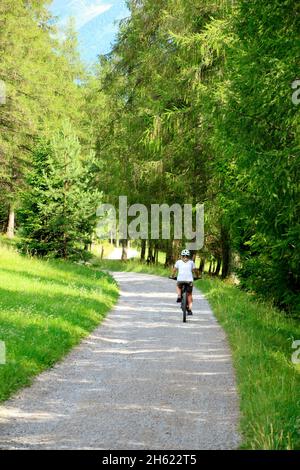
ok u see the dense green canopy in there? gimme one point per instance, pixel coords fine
(193, 105)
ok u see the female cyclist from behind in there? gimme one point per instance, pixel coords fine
(185, 268)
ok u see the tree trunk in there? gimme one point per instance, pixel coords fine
(226, 252)
(150, 251)
(176, 250)
(11, 222)
(202, 265)
(143, 250)
(156, 254)
(169, 254)
(124, 244)
(218, 268)
(214, 267)
(65, 250)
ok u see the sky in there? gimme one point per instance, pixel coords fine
(95, 23)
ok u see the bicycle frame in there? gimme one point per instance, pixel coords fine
(183, 298)
(184, 301)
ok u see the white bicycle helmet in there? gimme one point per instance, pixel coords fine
(185, 253)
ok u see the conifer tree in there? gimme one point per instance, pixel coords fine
(58, 212)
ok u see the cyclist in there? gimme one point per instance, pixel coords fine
(184, 268)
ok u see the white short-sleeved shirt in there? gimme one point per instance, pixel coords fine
(185, 270)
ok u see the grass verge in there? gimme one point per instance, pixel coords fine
(46, 308)
(268, 381)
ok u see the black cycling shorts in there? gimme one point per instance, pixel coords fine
(189, 286)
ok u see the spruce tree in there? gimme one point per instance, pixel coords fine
(58, 212)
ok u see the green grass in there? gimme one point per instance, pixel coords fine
(261, 340)
(45, 309)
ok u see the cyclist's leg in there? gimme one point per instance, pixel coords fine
(178, 289)
(190, 297)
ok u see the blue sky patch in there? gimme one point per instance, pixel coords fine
(96, 23)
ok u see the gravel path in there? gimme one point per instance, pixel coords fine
(142, 380)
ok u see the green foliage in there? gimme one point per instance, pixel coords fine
(192, 105)
(256, 141)
(41, 75)
(58, 211)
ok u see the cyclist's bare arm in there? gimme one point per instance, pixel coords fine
(196, 272)
(174, 272)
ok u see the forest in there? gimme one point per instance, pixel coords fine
(196, 103)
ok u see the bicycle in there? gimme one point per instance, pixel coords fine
(184, 287)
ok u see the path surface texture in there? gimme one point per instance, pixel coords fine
(142, 380)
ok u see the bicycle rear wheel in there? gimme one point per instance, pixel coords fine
(184, 305)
